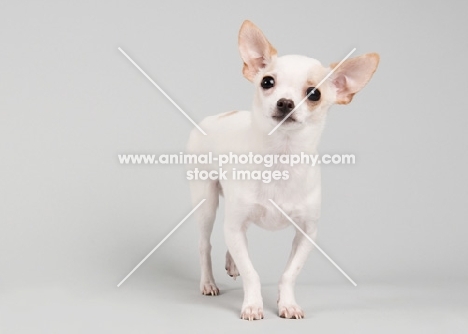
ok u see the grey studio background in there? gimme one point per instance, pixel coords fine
(73, 222)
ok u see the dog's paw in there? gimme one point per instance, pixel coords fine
(290, 311)
(209, 289)
(252, 312)
(231, 268)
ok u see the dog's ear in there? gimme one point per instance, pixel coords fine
(353, 75)
(255, 50)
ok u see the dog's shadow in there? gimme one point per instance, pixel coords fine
(170, 281)
(228, 299)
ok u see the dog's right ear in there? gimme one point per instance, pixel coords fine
(255, 50)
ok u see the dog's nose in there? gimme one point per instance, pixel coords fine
(285, 105)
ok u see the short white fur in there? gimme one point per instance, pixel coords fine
(241, 132)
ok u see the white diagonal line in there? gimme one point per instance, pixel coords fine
(160, 243)
(313, 90)
(313, 242)
(163, 92)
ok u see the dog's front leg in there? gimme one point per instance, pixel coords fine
(236, 240)
(287, 306)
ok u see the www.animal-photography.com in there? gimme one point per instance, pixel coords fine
(234, 167)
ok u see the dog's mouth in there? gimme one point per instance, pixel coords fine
(280, 118)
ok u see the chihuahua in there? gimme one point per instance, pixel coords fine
(280, 84)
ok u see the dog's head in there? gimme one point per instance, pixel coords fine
(283, 82)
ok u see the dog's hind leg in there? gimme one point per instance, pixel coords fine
(231, 267)
(205, 216)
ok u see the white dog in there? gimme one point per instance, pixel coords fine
(280, 84)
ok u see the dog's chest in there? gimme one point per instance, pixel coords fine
(298, 197)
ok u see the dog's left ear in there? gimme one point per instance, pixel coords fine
(255, 50)
(353, 75)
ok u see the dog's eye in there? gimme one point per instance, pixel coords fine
(267, 82)
(315, 96)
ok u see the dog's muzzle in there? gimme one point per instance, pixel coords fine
(283, 108)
